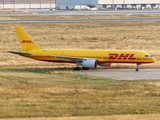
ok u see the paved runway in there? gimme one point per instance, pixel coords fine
(68, 12)
(123, 74)
(112, 12)
(78, 20)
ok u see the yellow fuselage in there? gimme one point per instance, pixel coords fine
(103, 56)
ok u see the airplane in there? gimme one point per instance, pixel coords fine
(86, 58)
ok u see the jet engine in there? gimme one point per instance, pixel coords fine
(89, 63)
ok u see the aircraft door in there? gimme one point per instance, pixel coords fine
(139, 56)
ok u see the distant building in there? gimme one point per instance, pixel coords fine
(72, 4)
(136, 4)
(108, 4)
(25, 5)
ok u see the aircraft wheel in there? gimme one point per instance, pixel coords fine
(76, 68)
(137, 69)
(84, 68)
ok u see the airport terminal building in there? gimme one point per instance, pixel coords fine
(108, 4)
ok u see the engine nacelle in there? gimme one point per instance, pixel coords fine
(89, 63)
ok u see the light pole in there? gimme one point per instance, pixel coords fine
(29, 5)
(112, 4)
(14, 7)
(40, 5)
(50, 5)
(80, 4)
(3, 5)
(13, 4)
(123, 3)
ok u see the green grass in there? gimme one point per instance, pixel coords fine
(41, 92)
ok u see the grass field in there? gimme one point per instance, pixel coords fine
(45, 92)
(30, 88)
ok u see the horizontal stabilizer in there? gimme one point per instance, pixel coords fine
(19, 53)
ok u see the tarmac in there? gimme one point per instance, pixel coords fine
(124, 74)
(79, 20)
(99, 12)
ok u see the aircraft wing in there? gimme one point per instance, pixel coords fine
(77, 59)
(19, 53)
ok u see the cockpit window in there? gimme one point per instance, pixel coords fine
(148, 55)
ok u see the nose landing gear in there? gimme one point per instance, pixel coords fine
(137, 68)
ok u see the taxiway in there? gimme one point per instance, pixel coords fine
(123, 74)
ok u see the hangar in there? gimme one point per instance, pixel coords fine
(25, 5)
(108, 4)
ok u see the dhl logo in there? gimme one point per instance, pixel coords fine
(121, 56)
(27, 41)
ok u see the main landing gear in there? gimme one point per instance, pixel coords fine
(137, 69)
(80, 68)
(77, 68)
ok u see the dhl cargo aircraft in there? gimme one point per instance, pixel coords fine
(85, 58)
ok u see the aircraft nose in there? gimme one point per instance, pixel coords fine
(153, 59)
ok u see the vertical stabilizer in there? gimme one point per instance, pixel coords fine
(26, 42)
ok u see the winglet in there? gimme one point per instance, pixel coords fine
(26, 42)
